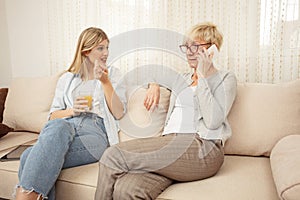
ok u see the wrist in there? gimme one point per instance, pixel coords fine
(153, 85)
(106, 83)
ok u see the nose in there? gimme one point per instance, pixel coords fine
(189, 52)
(106, 52)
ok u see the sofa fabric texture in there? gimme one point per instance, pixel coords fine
(261, 118)
(261, 115)
(285, 164)
(28, 102)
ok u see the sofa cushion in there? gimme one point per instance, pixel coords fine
(285, 164)
(79, 182)
(4, 129)
(240, 177)
(28, 102)
(261, 115)
(138, 122)
(3, 94)
(14, 139)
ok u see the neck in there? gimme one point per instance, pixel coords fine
(90, 70)
(195, 78)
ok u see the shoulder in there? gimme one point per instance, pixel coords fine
(66, 75)
(227, 75)
(65, 78)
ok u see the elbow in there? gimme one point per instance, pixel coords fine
(214, 123)
(118, 116)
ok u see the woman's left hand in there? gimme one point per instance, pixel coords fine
(101, 72)
(205, 64)
(152, 97)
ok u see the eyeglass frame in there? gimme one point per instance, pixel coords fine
(189, 47)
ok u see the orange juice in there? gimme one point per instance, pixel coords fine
(89, 98)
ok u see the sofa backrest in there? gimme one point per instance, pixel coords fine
(261, 115)
(138, 122)
(28, 102)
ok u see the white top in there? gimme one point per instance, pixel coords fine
(63, 98)
(90, 88)
(182, 117)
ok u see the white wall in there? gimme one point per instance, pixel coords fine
(5, 64)
(27, 39)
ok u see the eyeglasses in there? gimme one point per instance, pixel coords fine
(193, 48)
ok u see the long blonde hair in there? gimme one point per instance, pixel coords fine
(88, 39)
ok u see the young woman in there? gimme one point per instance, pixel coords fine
(77, 133)
(195, 131)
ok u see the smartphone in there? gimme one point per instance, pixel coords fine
(213, 50)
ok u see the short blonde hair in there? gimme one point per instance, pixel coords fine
(207, 32)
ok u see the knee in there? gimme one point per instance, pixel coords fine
(111, 153)
(114, 159)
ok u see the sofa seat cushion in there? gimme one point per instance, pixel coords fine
(285, 163)
(239, 178)
(14, 139)
(9, 178)
(80, 182)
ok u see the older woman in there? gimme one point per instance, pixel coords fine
(195, 131)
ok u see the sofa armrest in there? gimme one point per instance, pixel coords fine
(285, 164)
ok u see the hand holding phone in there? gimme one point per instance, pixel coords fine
(213, 51)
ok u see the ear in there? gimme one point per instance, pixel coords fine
(86, 53)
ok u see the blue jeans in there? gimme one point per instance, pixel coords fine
(63, 143)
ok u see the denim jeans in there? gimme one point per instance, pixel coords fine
(63, 143)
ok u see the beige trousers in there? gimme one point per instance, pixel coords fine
(143, 168)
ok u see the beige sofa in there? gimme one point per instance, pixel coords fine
(262, 157)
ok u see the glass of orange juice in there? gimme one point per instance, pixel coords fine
(88, 95)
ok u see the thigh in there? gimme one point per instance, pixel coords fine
(182, 157)
(201, 160)
(84, 150)
(89, 142)
(148, 154)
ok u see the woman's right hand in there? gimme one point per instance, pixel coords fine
(101, 72)
(80, 105)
